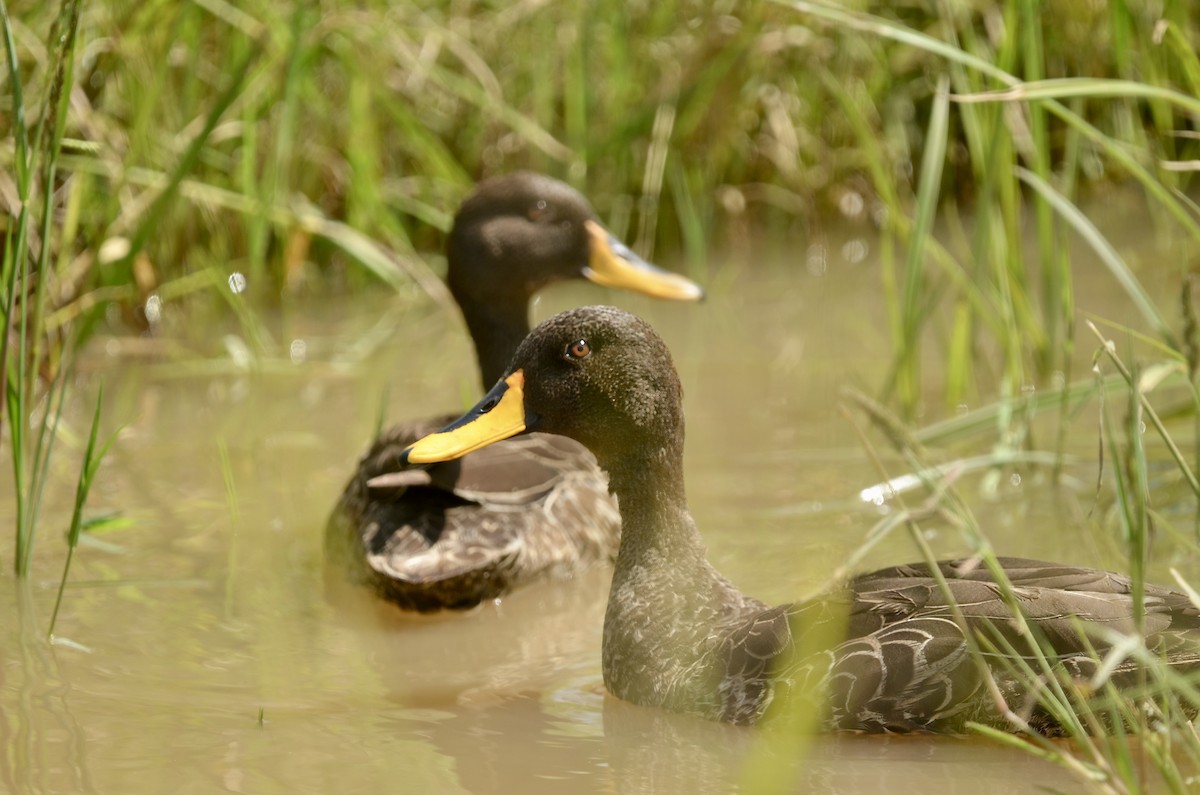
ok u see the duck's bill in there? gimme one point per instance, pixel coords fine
(499, 415)
(613, 264)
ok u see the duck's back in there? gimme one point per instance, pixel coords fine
(906, 665)
(453, 535)
(1053, 598)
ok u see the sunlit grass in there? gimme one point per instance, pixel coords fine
(992, 296)
(313, 150)
(308, 148)
(92, 458)
(1115, 741)
(1018, 132)
(35, 360)
(33, 414)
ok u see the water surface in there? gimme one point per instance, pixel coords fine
(206, 654)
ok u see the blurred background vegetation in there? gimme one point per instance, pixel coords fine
(320, 146)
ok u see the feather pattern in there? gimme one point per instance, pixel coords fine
(455, 534)
(883, 652)
(470, 530)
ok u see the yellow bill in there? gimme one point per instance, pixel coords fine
(499, 415)
(613, 264)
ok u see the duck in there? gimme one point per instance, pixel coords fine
(455, 535)
(879, 653)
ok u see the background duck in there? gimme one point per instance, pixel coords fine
(452, 535)
(678, 635)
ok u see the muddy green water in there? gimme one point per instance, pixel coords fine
(205, 655)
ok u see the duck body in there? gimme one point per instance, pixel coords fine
(454, 534)
(904, 664)
(880, 653)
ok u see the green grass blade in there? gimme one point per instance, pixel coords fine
(1071, 87)
(20, 126)
(43, 447)
(87, 475)
(1110, 349)
(191, 156)
(1108, 255)
(8, 271)
(928, 188)
(58, 100)
(896, 32)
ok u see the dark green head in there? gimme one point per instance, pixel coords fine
(520, 232)
(602, 377)
(596, 374)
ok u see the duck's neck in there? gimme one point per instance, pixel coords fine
(665, 597)
(497, 325)
(653, 502)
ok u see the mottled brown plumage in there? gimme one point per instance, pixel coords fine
(883, 651)
(452, 535)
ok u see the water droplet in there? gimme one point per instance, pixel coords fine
(851, 204)
(238, 351)
(1015, 479)
(153, 309)
(237, 282)
(298, 351)
(854, 251)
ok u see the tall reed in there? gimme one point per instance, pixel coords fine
(307, 147)
(34, 360)
(995, 300)
(25, 349)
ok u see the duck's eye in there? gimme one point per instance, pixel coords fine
(580, 349)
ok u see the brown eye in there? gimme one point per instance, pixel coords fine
(579, 349)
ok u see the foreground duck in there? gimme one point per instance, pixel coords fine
(453, 535)
(680, 636)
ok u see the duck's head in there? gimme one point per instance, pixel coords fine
(519, 232)
(596, 374)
